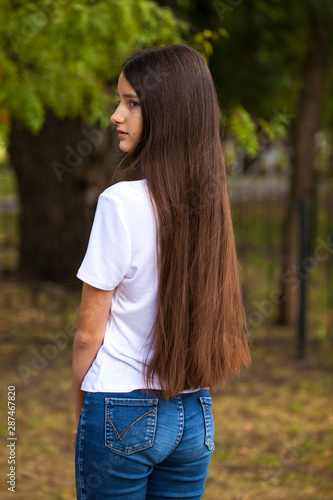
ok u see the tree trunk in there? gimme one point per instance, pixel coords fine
(60, 172)
(303, 179)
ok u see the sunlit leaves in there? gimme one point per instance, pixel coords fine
(202, 42)
(60, 54)
(243, 128)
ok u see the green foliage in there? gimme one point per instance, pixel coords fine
(257, 55)
(202, 42)
(261, 63)
(59, 54)
(243, 128)
(277, 128)
(246, 130)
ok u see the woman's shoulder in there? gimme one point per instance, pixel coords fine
(126, 190)
(127, 196)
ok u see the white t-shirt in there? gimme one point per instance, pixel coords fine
(122, 256)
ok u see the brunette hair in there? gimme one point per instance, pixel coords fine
(200, 337)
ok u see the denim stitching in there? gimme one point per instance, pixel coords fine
(82, 492)
(206, 410)
(125, 431)
(208, 428)
(131, 402)
(180, 425)
(152, 427)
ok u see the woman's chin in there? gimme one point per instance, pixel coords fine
(124, 147)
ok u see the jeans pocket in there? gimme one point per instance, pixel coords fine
(206, 404)
(130, 424)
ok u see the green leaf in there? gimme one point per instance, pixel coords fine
(243, 128)
(223, 32)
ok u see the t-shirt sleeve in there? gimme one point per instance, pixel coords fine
(108, 255)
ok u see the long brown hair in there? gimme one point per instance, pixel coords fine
(200, 337)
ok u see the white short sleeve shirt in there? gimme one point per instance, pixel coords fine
(122, 256)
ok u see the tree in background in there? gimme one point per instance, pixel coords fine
(58, 66)
(315, 74)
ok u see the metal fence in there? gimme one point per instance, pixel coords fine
(259, 224)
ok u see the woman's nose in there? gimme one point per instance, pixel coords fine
(117, 117)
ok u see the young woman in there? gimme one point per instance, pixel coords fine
(161, 319)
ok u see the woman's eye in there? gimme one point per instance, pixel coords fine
(134, 104)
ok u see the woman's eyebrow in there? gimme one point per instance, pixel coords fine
(128, 95)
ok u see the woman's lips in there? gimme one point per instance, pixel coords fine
(121, 134)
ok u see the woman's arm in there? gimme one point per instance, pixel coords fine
(89, 335)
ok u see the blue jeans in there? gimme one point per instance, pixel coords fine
(138, 446)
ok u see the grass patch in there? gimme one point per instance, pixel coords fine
(9, 241)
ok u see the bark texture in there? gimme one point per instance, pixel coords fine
(303, 180)
(60, 173)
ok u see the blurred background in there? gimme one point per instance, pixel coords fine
(271, 61)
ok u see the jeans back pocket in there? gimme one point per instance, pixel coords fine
(206, 404)
(130, 424)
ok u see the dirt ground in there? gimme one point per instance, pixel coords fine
(273, 425)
